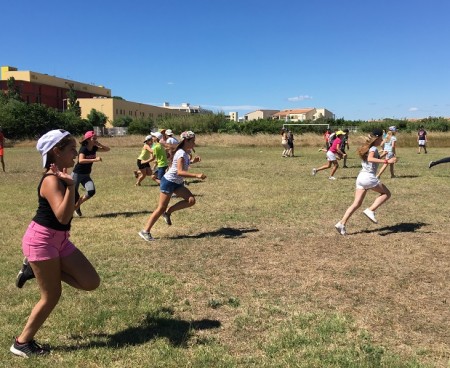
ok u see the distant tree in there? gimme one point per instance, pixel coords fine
(123, 121)
(118, 98)
(73, 104)
(13, 90)
(97, 118)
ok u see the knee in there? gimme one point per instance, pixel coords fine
(93, 283)
(191, 201)
(90, 193)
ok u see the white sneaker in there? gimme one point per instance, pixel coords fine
(146, 236)
(340, 228)
(314, 172)
(371, 215)
(332, 178)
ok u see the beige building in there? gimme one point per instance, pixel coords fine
(115, 108)
(187, 107)
(259, 114)
(298, 115)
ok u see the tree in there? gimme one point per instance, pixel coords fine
(97, 118)
(73, 104)
(13, 90)
(123, 121)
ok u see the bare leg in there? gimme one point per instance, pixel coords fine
(324, 167)
(335, 167)
(385, 194)
(188, 200)
(164, 200)
(360, 194)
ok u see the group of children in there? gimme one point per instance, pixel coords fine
(50, 256)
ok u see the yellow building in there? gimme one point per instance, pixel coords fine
(115, 108)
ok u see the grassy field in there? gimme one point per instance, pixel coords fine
(254, 275)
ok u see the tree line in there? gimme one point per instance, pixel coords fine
(20, 120)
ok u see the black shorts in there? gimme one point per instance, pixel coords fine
(142, 166)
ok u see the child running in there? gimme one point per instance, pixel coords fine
(333, 154)
(143, 161)
(82, 172)
(160, 156)
(389, 145)
(438, 162)
(50, 255)
(367, 180)
(173, 182)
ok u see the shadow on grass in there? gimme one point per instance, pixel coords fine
(125, 214)
(226, 232)
(403, 227)
(155, 325)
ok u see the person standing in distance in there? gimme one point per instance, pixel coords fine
(422, 139)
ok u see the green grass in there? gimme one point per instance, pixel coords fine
(253, 276)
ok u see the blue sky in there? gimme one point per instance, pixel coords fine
(360, 59)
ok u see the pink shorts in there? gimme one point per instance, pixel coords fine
(41, 243)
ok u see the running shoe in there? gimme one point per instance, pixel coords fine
(340, 228)
(166, 218)
(146, 235)
(26, 273)
(371, 215)
(28, 349)
(314, 172)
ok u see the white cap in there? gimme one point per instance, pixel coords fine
(169, 132)
(48, 141)
(157, 135)
(147, 138)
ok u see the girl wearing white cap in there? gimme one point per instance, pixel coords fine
(173, 182)
(50, 255)
(143, 161)
(367, 180)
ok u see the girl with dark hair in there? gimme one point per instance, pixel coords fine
(82, 172)
(173, 182)
(367, 179)
(50, 255)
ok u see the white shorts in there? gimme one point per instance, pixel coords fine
(390, 155)
(422, 142)
(366, 181)
(331, 156)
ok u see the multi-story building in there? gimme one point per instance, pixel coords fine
(260, 114)
(52, 91)
(48, 90)
(187, 107)
(298, 115)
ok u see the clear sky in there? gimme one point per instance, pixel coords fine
(360, 59)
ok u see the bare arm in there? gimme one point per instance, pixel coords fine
(83, 160)
(187, 174)
(62, 201)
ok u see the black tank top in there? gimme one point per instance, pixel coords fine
(44, 214)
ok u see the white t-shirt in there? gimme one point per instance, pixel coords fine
(172, 173)
(171, 140)
(370, 167)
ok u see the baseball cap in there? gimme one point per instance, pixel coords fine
(187, 135)
(393, 128)
(88, 135)
(340, 132)
(48, 141)
(169, 132)
(147, 138)
(157, 135)
(377, 133)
